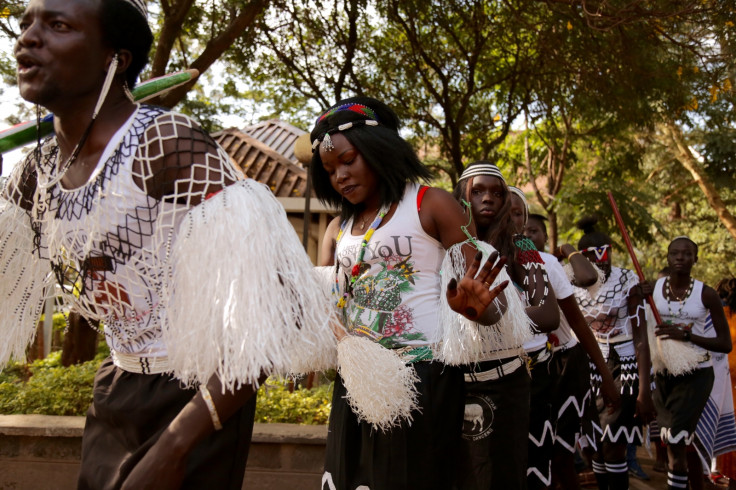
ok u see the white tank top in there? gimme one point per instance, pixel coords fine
(691, 311)
(396, 300)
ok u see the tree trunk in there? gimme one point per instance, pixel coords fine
(687, 159)
(80, 340)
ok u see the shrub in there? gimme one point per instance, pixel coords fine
(46, 387)
(302, 406)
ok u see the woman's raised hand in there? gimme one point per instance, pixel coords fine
(474, 292)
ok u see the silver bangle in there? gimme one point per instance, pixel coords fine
(207, 397)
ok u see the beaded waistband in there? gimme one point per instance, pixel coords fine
(140, 364)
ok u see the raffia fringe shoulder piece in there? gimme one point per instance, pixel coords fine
(670, 355)
(245, 298)
(464, 341)
(24, 278)
(380, 386)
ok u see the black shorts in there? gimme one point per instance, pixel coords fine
(541, 438)
(571, 394)
(496, 429)
(622, 426)
(680, 401)
(128, 413)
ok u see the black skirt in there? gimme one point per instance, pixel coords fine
(421, 455)
(129, 412)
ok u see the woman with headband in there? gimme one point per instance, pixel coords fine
(385, 250)
(614, 310)
(507, 449)
(694, 325)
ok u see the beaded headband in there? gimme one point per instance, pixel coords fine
(356, 108)
(482, 169)
(601, 253)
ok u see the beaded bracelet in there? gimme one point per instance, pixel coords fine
(207, 397)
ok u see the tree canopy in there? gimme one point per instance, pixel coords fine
(573, 98)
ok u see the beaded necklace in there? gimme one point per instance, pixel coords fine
(343, 299)
(671, 296)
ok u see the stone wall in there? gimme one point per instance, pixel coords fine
(41, 452)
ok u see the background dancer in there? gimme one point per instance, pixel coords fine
(692, 313)
(140, 210)
(614, 311)
(497, 456)
(387, 247)
(569, 366)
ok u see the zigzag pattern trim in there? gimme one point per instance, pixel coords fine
(634, 435)
(573, 401)
(548, 429)
(665, 433)
(595, 436)
(327, 479)
(546, 480)
(562, 442)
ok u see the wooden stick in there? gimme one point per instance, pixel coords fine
(625, 235)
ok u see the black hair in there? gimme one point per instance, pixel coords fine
(501, 232)
(124, 27)
(591, 237)
(686, 239)
(540, 219)
(390, 156)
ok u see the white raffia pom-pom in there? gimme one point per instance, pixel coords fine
(674, 356)
(380, 387)
(264, 311)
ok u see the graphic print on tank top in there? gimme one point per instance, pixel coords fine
(378, 308)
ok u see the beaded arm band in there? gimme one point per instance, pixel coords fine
(207, 397)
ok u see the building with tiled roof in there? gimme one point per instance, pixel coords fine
(277, 167)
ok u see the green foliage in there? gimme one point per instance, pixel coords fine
(277, 404)
(46, 387)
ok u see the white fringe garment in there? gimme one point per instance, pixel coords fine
(464, 341)
(674, 356)
(24, 278)
(245, 298)
(380, 387)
